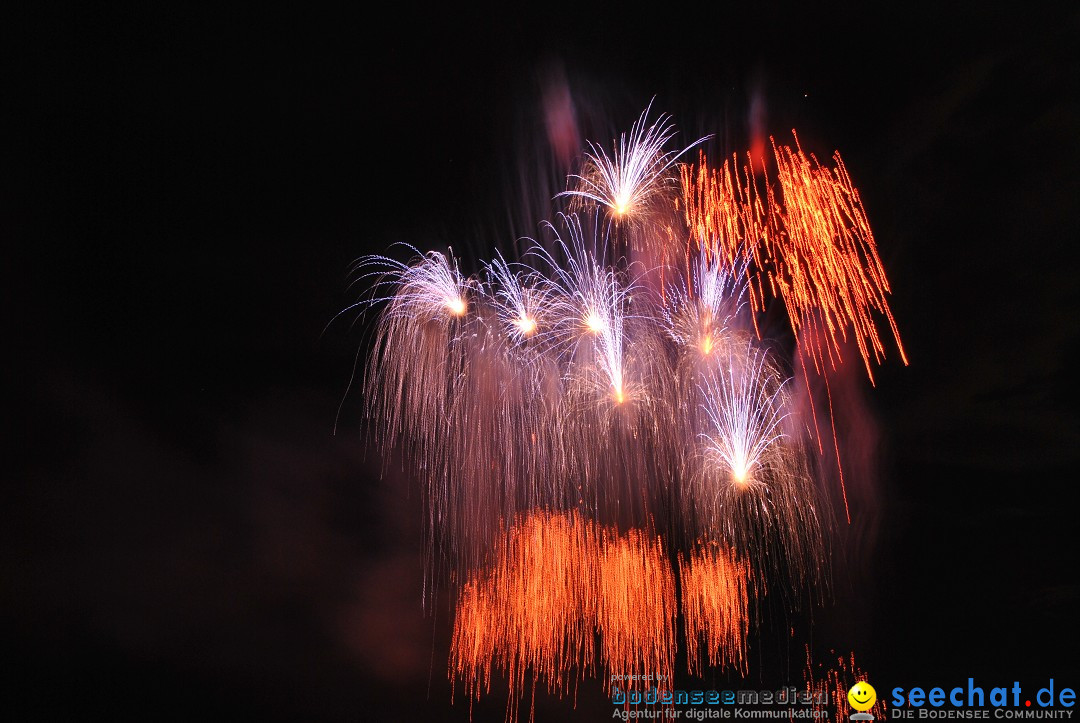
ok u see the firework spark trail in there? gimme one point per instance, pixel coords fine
(828, 271)
(527, 394)
(714, 605)
(746, 413)
(705, 320)
(637, 185)
(725, 214)
(556, 581)
(426, 312)
(701, 315)
(833, 683)
(592, 303)
(636, 610)
(533, 612)
(616, 419)
(810, 241)
(521, 298)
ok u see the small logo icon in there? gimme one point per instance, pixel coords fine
(862, 697)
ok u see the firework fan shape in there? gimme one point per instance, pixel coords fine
(604, 410)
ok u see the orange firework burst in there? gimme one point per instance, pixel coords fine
(828, 269)
(714, 604)
(637, 610)
(535, 609)
(810, 242)
(555, 581)
(725, 214)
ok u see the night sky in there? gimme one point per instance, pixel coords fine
(185, 535)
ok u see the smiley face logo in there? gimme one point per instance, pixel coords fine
(862, 696)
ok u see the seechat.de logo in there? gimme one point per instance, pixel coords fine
(974, 701)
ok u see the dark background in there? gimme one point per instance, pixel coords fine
(185, 536)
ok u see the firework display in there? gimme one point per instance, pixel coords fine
(605, 435)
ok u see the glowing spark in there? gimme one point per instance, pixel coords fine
(595, 323)
(585, 289)
(519, 296)
(526, 325)
(456, 305)
(702, 314)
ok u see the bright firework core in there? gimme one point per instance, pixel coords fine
(526, 325)
(456, 305)
(539, 496)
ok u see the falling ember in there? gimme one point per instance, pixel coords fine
(714, 605)
(828, 269)
(534, 612)
(723, 211)
(831, 684)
